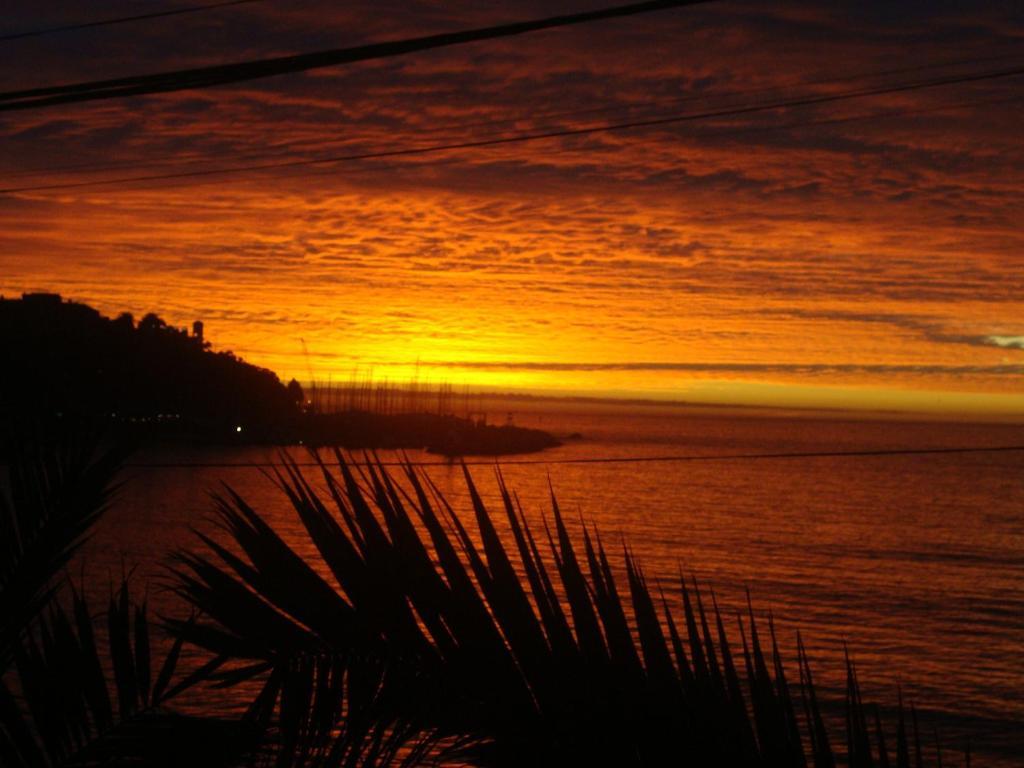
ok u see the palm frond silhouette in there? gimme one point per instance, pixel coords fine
(79, 688)
(412, 639)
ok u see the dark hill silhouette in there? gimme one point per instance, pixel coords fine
(65, 361)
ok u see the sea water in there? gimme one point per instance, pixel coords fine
(914, 561)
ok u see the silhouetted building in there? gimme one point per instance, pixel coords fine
(197, 331)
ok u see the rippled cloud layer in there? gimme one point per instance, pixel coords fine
(871, 242)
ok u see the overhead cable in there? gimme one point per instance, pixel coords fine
(800, 101)
(222, 74)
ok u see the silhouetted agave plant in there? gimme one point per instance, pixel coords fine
(424, 646)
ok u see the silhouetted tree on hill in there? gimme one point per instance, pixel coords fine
(295, 393)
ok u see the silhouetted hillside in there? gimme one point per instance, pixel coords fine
(66, 360)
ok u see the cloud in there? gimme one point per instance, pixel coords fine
(929, 327)
(877, 237)
(1007, 342)
(799, 369)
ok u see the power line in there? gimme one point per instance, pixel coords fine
(123, 19)
(731, 131)
(540, 136)
(222, 74)
(778, 87)
(881, 452)
(285, 149)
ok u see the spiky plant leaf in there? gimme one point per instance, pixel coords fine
(417, 636)
(55, 492)
(68, 717)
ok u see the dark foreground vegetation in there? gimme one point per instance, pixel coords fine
(411, 639)
(149, 381)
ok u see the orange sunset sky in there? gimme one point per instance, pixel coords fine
(865, 252)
